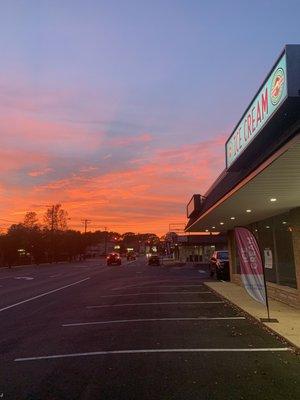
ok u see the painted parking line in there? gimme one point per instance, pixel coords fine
(156, 284)
(26, 278)
(151, 351)
(154, 293)
(159, 286)
(125, 321)
(42, 295)
(156, 304)
(178, 286)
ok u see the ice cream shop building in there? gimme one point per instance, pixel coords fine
(260, 186)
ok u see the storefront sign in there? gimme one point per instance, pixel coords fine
(252, 274)
(268, 258)
(265, 104)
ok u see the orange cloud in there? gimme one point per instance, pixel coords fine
(147, 196)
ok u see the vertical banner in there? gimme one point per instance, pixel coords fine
(252, 272)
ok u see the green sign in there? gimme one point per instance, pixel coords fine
(265, 104)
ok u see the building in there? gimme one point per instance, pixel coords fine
(198, 248)
(260, 187)
(100, 249)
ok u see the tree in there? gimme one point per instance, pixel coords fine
(55, 218)
(31, 220)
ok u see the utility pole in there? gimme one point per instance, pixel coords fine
(86, 222)
(52, 234)
(105, 240)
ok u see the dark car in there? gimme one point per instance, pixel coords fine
(131, 256)
(219, 265)
(113, 259)
(153, 260)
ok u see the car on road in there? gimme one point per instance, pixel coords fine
(219, 265)
(113, 259)
(153, 260)
(131, 256)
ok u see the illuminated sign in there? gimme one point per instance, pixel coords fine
(265, 104)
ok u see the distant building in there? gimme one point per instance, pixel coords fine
(98, 250)
(198, 248)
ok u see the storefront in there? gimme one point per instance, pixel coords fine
(260, 187)
(198, 248)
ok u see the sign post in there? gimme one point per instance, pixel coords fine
(252, 269)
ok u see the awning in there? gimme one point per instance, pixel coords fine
(277, 178)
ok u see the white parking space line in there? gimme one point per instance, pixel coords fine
(26, 278)
(54, 276)
(42, 295)
(156, 284)
(149, 293)
(179, 286)
(125, 321)
(145, 351)
(156, 304)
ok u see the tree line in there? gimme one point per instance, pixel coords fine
(50, 240)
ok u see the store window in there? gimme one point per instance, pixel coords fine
(284, 251)
(274, 236)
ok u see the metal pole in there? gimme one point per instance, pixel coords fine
(105, 240)
(265, 283)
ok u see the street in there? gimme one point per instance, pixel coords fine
(88, 331)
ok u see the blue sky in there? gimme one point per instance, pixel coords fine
(93, 90)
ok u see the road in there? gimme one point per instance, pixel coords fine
(86, 331)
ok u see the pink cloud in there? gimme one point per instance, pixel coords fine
(129, 140)
(20, 131)
(40, 172)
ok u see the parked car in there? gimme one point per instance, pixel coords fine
(219, 265)
(113, 259)
(153, 260)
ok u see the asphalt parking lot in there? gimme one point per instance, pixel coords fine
(85, 331)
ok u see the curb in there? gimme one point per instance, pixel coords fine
(256, 320)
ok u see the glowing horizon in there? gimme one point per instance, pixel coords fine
(120, 112)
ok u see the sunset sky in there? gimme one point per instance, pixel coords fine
(120, 109)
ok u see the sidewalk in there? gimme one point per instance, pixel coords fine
(33, 265)
(288, 326)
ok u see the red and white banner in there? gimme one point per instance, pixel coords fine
(252, 273)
